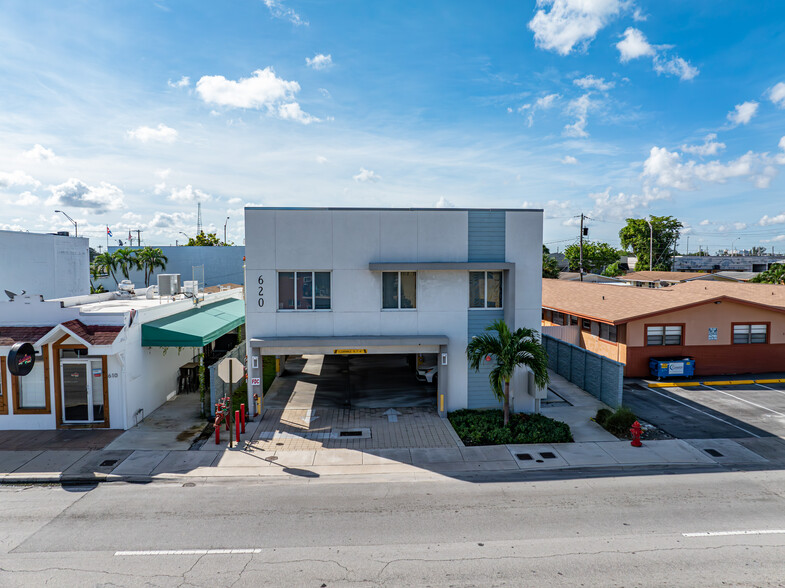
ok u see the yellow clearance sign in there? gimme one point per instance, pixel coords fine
(349, 351)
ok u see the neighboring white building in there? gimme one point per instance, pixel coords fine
(102, 360)
(54, 266)
(393, 281)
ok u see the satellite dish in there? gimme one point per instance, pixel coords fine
(11, 295)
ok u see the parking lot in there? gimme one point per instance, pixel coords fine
(711, 412)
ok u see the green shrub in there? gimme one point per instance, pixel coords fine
(486, 427)
(602, 416)
(619, 422)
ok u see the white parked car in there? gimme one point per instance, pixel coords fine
(427, 369)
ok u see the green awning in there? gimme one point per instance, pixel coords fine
(195, 327)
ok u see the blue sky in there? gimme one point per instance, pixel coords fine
(127, 113)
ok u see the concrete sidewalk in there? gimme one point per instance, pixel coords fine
(246, 461)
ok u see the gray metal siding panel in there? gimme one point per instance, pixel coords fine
(487, 235)
(479, 388)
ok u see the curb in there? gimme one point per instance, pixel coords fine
(715, 383)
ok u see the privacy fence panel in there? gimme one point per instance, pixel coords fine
(219, 388)
(601, 377)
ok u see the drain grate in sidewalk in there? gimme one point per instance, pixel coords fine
(713, 452)
(359, 433)
(543, 456)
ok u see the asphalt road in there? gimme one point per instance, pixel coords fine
(711, 412)
(598, 532)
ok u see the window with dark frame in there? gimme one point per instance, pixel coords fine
(664, 335)
(749, 334)
(304, 291)
(608, 332)
(586, 324)
(399, 290)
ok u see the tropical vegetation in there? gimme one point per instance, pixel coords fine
(486, 427)
(509, 349)
(206, 240)
(661, 239)
(774, 275)
(550, 267)
(146, 259)
(596, 256)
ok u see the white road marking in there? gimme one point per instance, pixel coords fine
(706, 413)
(189, 552)
(747, 401)
(770, 388)
(729, 533)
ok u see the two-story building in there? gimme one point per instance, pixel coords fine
(367, 281)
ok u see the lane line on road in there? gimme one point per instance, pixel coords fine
(747, 401)
(188, 552)
(729, 533)
(706, 413)
(770, 388)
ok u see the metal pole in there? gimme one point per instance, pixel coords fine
(651, 243)
(229, 416)
(581, 249)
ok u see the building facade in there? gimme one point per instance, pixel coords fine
(729, 328)
(384, 281)
(52, 266)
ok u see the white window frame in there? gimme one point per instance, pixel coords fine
(416, 288)
(748, 333)
(313, 290)
(485, 293)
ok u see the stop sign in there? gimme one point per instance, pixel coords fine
(233, 365)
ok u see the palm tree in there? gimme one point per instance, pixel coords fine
(510, 349)
(106, 263)
(127, 260)
(151, 258)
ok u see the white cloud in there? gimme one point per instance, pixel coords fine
(705, 222)
(634, 45)
(40, 153)
(543, 103)
(366, 175)
(321, 159)
(159, 188)
(26, 199)
(161, 134)
(292, 111)
(319, 61)
(189, 194)
(183, 82)
(278, 10)
(591, 83)
(263, 90)
(666, 169)
(163, 173)
(709, 147)
(739, 226)
(17, 178)
(775, 239)
(571, 24)
(164, 220)
(772, 220)
(444, 203)
(325, 92)
(569, 160)
(743, 113)
(675, 66)
(132, 217)
(234, 201)
(96, 199)
(579, 108)
(621, 205)
(777, 94)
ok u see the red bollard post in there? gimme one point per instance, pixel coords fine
(237, 424)
(218, 435)
(242, 417)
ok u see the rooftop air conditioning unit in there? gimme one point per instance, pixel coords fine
(168, 284)
(191, 287)
(125, 288)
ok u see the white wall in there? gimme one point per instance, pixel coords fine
(49, 265)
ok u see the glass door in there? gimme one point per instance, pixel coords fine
(77, 392)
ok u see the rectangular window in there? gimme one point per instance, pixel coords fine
(746, 334)
(32, 390)
(558, 318)
(586, 324)
(304, 290)
(573, 320)
(399, 290)
(485, 289)
(608, 332)
(664, 335)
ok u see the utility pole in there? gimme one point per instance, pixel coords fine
(651, 243)
(581, 249)
(139, 237)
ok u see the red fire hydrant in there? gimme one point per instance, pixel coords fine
(636, 431)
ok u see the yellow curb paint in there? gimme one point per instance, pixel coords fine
(741, 382)
(774, 381)
(673, 384)
(718, 383)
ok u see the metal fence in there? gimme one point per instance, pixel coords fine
(568, 333)
(601, 377)
(219, 388)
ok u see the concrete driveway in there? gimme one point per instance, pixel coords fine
(335, 381)
(711, 412)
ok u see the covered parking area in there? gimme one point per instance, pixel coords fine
(351, 372)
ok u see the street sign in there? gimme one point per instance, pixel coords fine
(230, 370)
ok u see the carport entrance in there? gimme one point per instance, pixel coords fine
(353, 372)
(350, 381)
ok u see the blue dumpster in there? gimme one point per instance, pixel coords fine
(667, 367)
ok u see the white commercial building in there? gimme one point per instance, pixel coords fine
(105, 360)
(53, 266)
(393, 281)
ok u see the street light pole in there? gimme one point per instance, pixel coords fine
(186, 236)
(227, 220)
(651, 243)
(76, 229)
